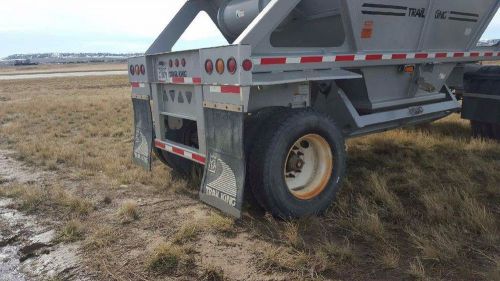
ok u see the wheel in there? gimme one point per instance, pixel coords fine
(186, 135)
(296, 166)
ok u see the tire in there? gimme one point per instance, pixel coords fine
(253, 129)
(296, 166)
(184, 135)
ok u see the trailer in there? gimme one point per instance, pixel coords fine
(267, 116)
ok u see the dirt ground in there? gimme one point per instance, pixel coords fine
(417, 203)
(58, 68)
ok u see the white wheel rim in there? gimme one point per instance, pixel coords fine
(308, 166)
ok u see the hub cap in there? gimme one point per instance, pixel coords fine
(308, 166)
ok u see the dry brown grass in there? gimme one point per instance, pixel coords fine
(189, 231)
(72, 231)
(416, 203)
(128, 212)
(102, 237)
(167, 258)
(33, 198)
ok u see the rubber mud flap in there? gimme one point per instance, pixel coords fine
(143, 136)
(224, 177)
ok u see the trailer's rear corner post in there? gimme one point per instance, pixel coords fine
(143, 120)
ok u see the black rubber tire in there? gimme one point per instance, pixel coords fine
(180, 165)
(267, 159)
(253, 131)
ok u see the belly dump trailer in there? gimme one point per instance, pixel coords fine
(270, 112)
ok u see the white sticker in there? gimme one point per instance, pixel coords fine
(304, 89)
(240, 14)
(442, 76)
(468, 31)
(162, 73)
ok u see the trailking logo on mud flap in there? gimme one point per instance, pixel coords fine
(223, 181)
(141, 144)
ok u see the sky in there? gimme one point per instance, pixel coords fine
(120, 26)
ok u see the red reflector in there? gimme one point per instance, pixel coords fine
(345, 58)
(159, 144)
(268, 61)
(183, 62)
(132, 70)
(177, 151)
(421, 56)
(311, 59)
(399, 56)
(232, 65)
(143, 69)
(199, 158)
(209, 66)
(374, 57)
(247, 65)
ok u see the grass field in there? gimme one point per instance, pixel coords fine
(417, 204)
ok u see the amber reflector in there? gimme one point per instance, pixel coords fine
(219, 66)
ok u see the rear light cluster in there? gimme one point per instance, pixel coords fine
(137, 69)
(231, 65)
(177, 62)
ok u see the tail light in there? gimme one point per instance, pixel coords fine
(183, 62)
(143, 69)
(247, 65)
(232, 65)
(176, 62)
(132, 70)
(219, 66)
(171, 63)
(137, 69)
(209, 66)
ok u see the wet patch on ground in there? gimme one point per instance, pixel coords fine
(28, 244)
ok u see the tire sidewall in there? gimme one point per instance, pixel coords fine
(281, 144)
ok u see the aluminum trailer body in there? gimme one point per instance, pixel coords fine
(273, 108)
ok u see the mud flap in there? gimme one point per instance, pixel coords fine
(143, 136)
(224, 177)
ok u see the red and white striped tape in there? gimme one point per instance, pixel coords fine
(372, 57)
(226, 89)
(137, 85)
(180, 151)
(183, 80)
